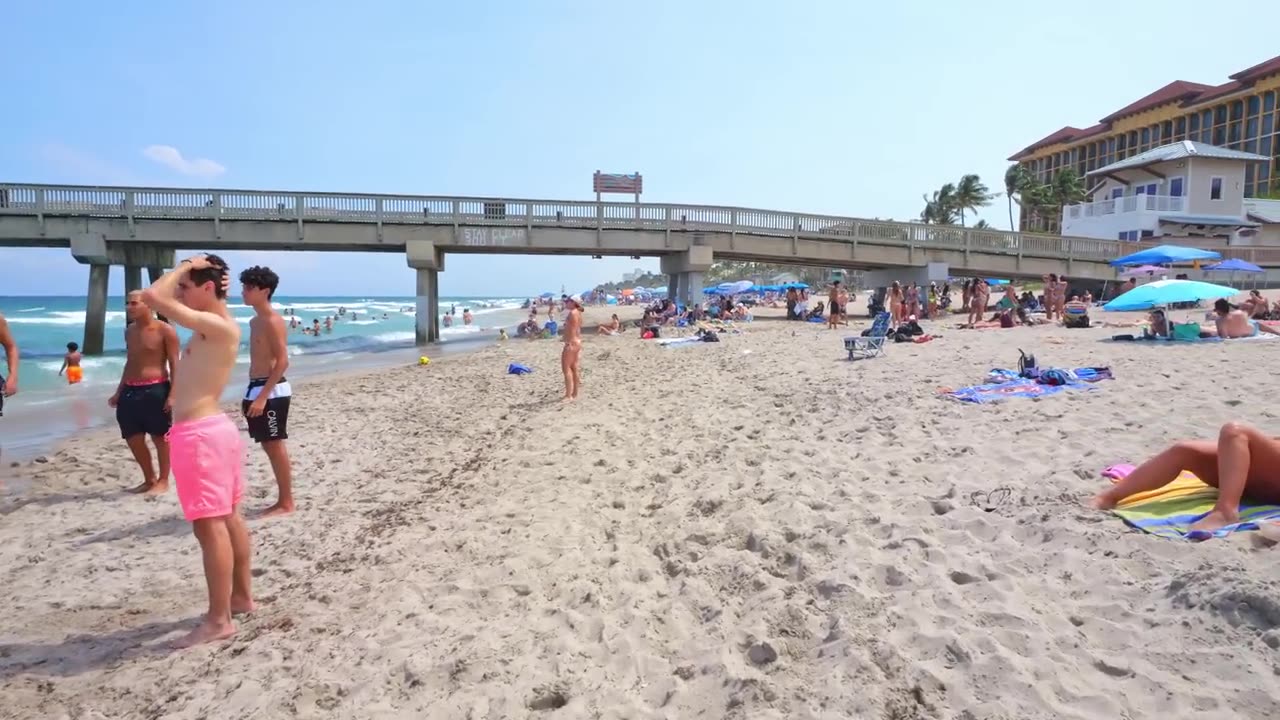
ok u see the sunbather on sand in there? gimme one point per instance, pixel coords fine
(1234, 323)
(1241, 462)
(613, 327)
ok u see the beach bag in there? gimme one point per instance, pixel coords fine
(1006, 319)
(518, 369)
(709, 336)
(1026, 362)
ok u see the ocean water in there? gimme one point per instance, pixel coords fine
(381, 334)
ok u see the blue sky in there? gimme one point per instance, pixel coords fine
(837, 107)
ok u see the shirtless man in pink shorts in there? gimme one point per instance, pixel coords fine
(205, 447)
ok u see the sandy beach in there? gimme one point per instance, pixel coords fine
(755, 528)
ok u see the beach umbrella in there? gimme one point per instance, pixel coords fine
(796, 285)
(1167, 292)
(1234, 265)
(1166, 255)
(546, 295)
(1144, 270)
(996, 281)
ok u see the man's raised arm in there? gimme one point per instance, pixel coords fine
(162, 297)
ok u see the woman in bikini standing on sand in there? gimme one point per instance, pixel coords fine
(570, 356)
(895, 302)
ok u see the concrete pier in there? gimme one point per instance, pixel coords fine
(686, 269)
(95, 312)
(427, 262)
(132, 278)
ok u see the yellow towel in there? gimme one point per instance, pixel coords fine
(1185, 484)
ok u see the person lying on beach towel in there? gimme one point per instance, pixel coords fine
(1241, 462)
(1234, 323)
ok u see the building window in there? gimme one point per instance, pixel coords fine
(1220, 115)
(1253, 105)
(1148, 233)
(1215, 188)
(1180, 129)
(1128, 235)
(1117, 192)
(1194, 123)
(1146, 138)
(1251, 129)
(1148, 189)
(1219, 135)
(1268, 101)
(1237, 110)
(1175, 187)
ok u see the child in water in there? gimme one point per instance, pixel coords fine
(71, 364)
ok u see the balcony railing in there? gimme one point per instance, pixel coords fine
(1127, 204)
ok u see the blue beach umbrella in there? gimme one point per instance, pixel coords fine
(1167, 292)
(1235, 265)
(1166, 255)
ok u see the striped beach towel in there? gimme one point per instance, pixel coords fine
(1170, 511)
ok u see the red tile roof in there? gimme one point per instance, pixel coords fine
(1173, 92)
(1215, 92)
(1187, 93)
(1262, 69)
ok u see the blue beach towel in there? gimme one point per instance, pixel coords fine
(995, 392)
(518, 369)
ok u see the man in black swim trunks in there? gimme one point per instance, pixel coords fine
(142, 398)
(266, 401)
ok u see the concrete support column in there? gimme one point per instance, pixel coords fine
(95, 312)
(673, 287)
(685, 270)
(153, 274)
(132, 278)
(428, 263)
(426, 327)
(693, 287)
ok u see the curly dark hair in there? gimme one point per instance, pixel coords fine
(261, 277)
(214, 273)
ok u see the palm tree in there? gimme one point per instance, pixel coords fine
(971, 194)
(1068, 188)
(941, 208)
(1016, 178)
(982, 225)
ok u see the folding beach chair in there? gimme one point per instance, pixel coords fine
(871, 345)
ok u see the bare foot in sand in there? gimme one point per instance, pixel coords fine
(145, 486)
(242, 605)
(207, 632)
(1215, 520)
(276, 510)
(1103, 501)
(159, 488)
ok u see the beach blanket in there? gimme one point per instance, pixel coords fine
(1170, 511)
(1004, 384)
(1020, 388)
(679, 342)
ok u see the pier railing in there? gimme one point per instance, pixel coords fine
(138, 203)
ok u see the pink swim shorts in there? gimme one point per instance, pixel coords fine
(208, 465)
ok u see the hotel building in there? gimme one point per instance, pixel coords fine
(1242, 114)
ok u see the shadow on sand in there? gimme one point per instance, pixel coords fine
(81, 653)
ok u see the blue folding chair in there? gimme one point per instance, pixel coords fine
(872, 344)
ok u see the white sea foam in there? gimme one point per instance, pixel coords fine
(34, 309)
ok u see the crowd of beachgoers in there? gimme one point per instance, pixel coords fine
(631, 520)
